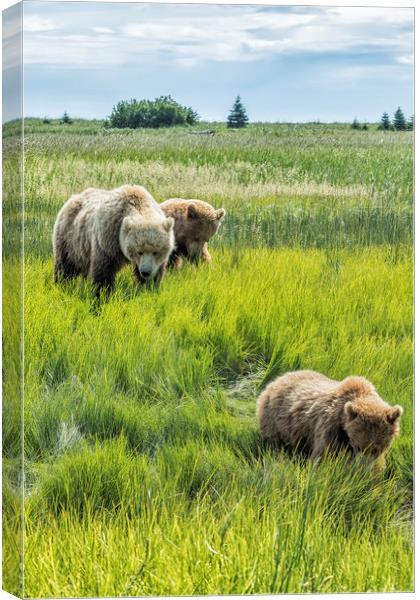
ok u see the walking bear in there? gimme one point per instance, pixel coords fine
(97, 232)
(195, 223)
(310, 412)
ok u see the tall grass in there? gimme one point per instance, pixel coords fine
(280, 185)
(136, 418)
(145, 473)
(200, 520)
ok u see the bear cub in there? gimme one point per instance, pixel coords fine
(307, 411)
(97, 232)
(195, 223)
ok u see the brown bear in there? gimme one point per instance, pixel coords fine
(97, 232)
(195, 223)
(307, 411)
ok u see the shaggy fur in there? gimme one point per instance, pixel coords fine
(97, 232)
(195, 223)
(308, 411)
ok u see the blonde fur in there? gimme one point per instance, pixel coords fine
(195, 223)
(308, 411)
(99, 231)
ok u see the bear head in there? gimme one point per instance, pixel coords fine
(370, 423)
(195, 223)
(147, 243)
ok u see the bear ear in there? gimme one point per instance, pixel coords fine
(168, 223)
(220, 213)
(350, 411)
(192, 212)
(394, 414)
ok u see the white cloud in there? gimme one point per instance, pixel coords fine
(360, 72)
(227, 37)
(406, 60)
(72, 51)
(187, 36)
(34, 23)
(102, 29)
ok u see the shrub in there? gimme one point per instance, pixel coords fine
(161, 112)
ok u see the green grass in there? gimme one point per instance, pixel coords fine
(301, 186)
(145, 473)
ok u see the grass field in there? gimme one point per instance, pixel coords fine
(144, 470)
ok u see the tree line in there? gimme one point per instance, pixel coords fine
(166, 112)
(398, 123)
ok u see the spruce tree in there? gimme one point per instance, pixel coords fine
(66, 118)
(399, 120)
(237, 116)
(355, 124)
(385, 122)
(410, 123)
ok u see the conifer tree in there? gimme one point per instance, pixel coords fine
(66, 118)
(237, 116)
(399, 120)
(385, 122)
(355, 124)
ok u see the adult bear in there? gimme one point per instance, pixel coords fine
(97, 232)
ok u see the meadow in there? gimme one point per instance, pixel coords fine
(144, 470)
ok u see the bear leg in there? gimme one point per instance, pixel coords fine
(64, 268)
(319, 449)
(331, 441)
(103, 271)
(175, 260)
(159, 275)
(317, 453)
(206, 256)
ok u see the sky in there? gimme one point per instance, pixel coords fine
(295, 63)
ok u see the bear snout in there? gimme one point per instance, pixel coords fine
(145, 272)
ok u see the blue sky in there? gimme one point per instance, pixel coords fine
(288, 63)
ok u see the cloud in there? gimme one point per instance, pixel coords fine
(78, 51)
(102, 29)
(366, 72)
(35, 23)
(188, 36)
(224, 37)
(406, 60)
